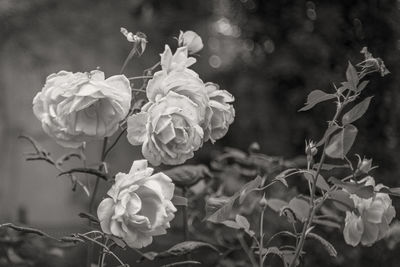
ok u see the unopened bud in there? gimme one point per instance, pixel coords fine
(263, 202)
(311, 150)
(191, 40)
(364, 165)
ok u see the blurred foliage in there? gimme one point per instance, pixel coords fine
(268, 54)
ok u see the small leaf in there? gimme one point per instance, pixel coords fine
(276, 204)
(179, 201)
(300, 207)
(327, 223)
(356, 112)
(361, 190)
(181, 263)
(328, 246)
(328, 167)
(395, 191)
(215, 203)
(231, 224)
(352, 77)
(315, 97)
(341, 143)
(321, 183)
(224, 212)
(362, 85)
(188, 175)
(242, 222)
(185, 248)
(118, 241)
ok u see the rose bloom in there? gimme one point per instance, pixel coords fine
(78, 107)
(223, 112)
(168, 129)
(372, 222)
(139, 206)
(191, 40)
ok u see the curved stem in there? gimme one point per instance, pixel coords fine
(114, 143)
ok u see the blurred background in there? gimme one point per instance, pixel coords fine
(268, 54)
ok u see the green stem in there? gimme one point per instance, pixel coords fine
(313, 208)
(261, 244)
(247, 250)
(185, 218)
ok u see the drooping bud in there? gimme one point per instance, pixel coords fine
(263, 202)
(191, 40)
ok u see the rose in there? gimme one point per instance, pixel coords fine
(372, 221)
(168, 129)
(223, 112)
(191, 40)
(78, 107)
(139, 206)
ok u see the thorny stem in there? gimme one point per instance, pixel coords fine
(314, 207)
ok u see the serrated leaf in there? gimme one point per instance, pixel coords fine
(223, 213)
(276, 204)
(361, 190)
(315, 97)
(352, 77)
(188, 175)
(179, 201)
(340, 143)
(321, 183)
(328, 246)
(300, 207)
(356, 112)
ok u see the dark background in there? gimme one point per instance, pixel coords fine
(268, 54)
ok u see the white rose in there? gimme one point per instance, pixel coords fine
(78, 107)
(168, 129)
(372, 221)
(139, 206)
(223, 112)
(191, 40)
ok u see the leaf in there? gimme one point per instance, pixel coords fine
(215, 203)
(331, 129)
(362, 85)
(321, 183)
(328, 167)
(179, 263)
(327, 223)
(342, 200)
(231, 224)
(242, 222)
(223, 213)
(361, 190)
(179, 249)
(188, 175)
(300, 207)
(352, 77)
(328, 246)
(341, 143)
(356, 112)
(395, 191)
(118, 241)
(315, 97)
(179, 201)
(276, 204)
(90, 217)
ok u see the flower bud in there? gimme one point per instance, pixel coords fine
(364, 165)
(191, 40)
(311, 150)
(263, 202)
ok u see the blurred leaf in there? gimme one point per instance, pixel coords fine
(362, 85)
(395, 191)
(215, 203)
(356, 112)
(315, 97)
(328, 167)
(181, 263)
(327, 134)
(340, 144)
(188, 175)
(90, 217)
(300, 207)
(223, 213)
(321, 183)
(179, 249)
(276, 204)
(361, 190)
(328, 246)
(327, 223)
(179, 201)
(342, 200)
